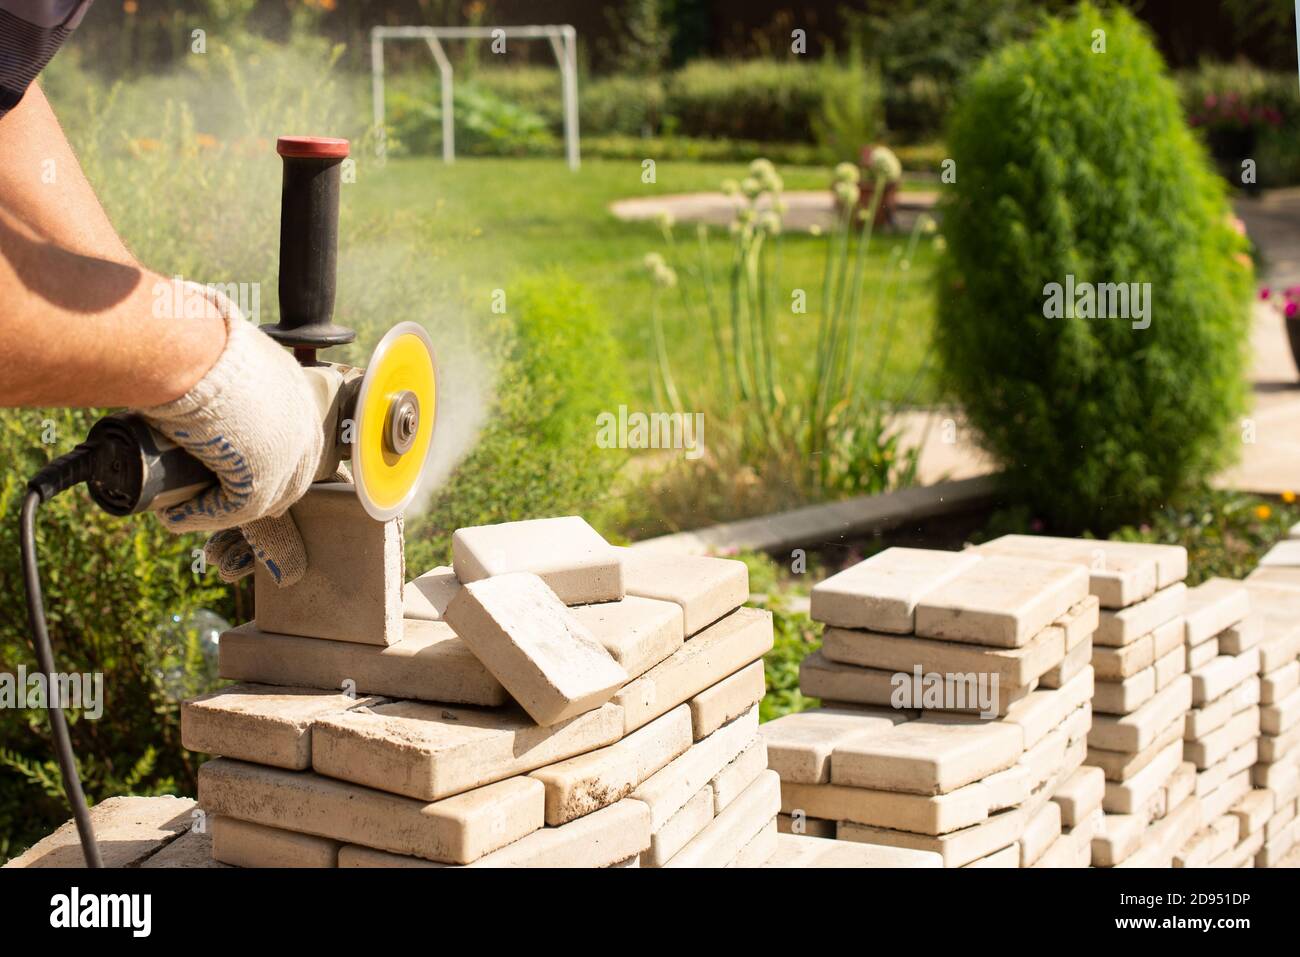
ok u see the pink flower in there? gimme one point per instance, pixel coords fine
(1265, 292)
(1292, 292)
(1210, 101)
(1291, 308)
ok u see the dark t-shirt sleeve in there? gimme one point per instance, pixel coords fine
(31, 32)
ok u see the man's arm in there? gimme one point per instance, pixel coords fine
(77, 313)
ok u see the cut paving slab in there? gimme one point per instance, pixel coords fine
(352, 589)
(521, 631)
(455, 830)
(704, 588)
(430, 663)
(428, 596)
(429, 751)
(637, 632)
(882, 592)
(566, 553)
(261, 723)
(800, 745)
(1002, 602)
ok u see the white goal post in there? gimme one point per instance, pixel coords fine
(564, 43)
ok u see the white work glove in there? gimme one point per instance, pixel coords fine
(253, 422)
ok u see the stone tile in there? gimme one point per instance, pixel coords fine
(566, 553)
(1197, 656)
(804, 852)
(743, 770)
(821, 678)
(1285, 576)
(428, 596)
(1215, 714)
(193, 849)
(1279, 718)
(1222, 674)
(1276, 685)
(600, 839)
(729, 698)
(1006, 858)
(127, 829)
(1129, 624)
(456, 830)
(429, 664)
(706, 589)
(1075, 660)
(354, 855)
(1041, 831)
(244, 844)
(1170, 667)
(260, 723)
(1120, 838)
(1118, 577)
(680, 829)
(1134, 732)
(1218, 744)
(932, 755)
(1166, 836)
(957, 849)
(760, 847)
(1113, 664)
(525, 636)
(1242, 636)
(429, 751)
(1284, 554)
(637, 632)
(1222, 798)
(1080, 622)
(1181, 784)
(728, 833)
(800, 745)
(882, 592)
(898, 810)
(1132, 795)
(1213, 606)
(1042, 711)
(352, 589)
(1080, 795)
(1001, 602)
(1168, 636)
(1126, 696)
(1253, 810)
(1279, 747)
(588, 782)
(1278, 610)
(720, 650)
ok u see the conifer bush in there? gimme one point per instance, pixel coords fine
(1074, 166)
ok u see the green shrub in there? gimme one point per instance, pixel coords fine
(538, 455)
(1077, 163)
(1244, 112)
(486, 124)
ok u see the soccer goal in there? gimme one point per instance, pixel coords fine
(564, 43)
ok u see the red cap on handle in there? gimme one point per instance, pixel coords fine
(312, 147)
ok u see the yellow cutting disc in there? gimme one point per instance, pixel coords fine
(390, 445)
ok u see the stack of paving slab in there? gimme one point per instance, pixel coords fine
(1141, 693)
(982, 767)
(550, 700)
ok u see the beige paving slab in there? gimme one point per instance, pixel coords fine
(522, 632)
(1218, 744)
(637, 632)
(430, 663)
(1253, 810)
(588, 782)
(957, 849)
(819, 677)
(1170, 667)
(1201, 654)
(1278, 608)
(1169, 636)
(729, 698)
(1075, 660)
(1222, 674)
(1279, 747)
(1122, 765)
(1124, 696)
(1112, 664)
(720, 650)
(1001, 602)
(1213, 606)
(600, 839)
(427, 597)
(1134, 732)
(1117, 576)
(127, 829)
(1205, 718)
(1005, 858)
(1041, 831)
(193, 849)
(430, 751)
(1042, 711)
(1281, 717)
(260, 723)
(759, 848)
(354, 855)
(739, 774)
(1287, 576)
(1243, 635)
(801, 852)
(1166, 836)
(1129, 624)
(800, 745)
(882, 592)
(899, 810)
(1276, 685)
(1080, 795)
(1120, 838)
(680, 829)
(568, 554)
(1132, 795)
(455, 830)
(728, 833)
(705, 588)
(244, 844)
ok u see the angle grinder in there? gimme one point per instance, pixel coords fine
(381, 419)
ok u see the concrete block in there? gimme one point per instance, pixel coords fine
(576, 563)
(1133, 732)
(1276, 685)
(1080, 621)
(1170, 667)
(1275, 653)
(1041, 831)
(720, 650)
(1117, 577)
(455, 830)
(1214, 606)
(354, 855)
(680, 829)
(1222, 674)
(1216, 838)
(429, 664)
(1042, 711)
(588, 782)
(882, 592)
(352, 589)
(193, 849)
(1131, 796)
(898, 810)
(1120, 838)
(728, 833)
(800, 745)
(1218, 744)
(739, 774)
(729, 698)
(1243, 635)
(1253, 810)
(1005, 858)
(1001, 602)
(1215, 714)
(1014, 667)
(1279, 747)
(805, 826)
(759, 848)
(128, 829)
(1045, 759)
(429, 751)
(1168, 636)
(525, 636)
(244, 844)
(1075, 660)
(668, 790)
(706, 589)
(1279, 718)
(1221, 799)
(1166, 836)
(1181, 784)
(1122, 765)
(600, 839)
(1115, 664)
(933, 755)
(819, 677)
(637, 632)
(1202, 654)
(427, 597)
(957, 848)
(1008, 788)
(1126, 625)
(1080, 795)
(1125, 696)
(1280, 818)
(1282, 776)
(819, 852)
(260, 723)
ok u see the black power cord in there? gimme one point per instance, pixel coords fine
(61, 474)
